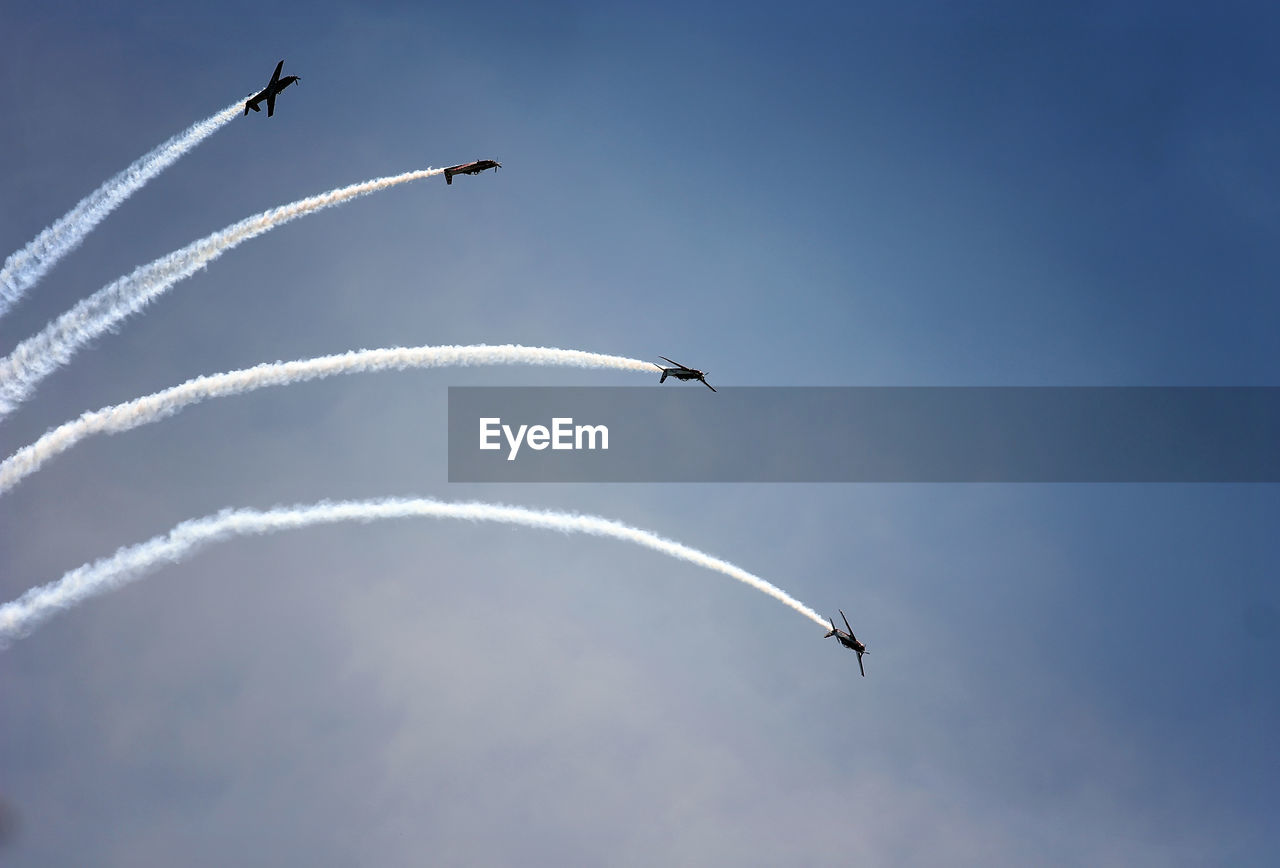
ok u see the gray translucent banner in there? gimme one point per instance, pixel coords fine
(810, 434)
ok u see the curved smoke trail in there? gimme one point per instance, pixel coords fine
(40, 355)
(24, 268)
(19, 617)
(157, 406)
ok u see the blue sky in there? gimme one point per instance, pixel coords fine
(808, 193)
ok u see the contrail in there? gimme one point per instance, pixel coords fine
(157, 406)
(40, 355)
(24, 268)
(19, 617)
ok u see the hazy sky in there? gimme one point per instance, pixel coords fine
(799, 193)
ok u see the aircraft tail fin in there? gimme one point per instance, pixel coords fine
(448, 176)
(663, 378)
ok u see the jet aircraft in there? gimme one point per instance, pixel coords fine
(470, 169)
(848, 640)
(680, 372)
(268, 93)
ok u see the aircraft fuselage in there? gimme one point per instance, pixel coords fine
(272, 89)
(269, 92)
(851, 643)
(469, 169)
(681, 374)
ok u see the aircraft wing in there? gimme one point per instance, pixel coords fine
(275, 76)
(271, 101)
(860, 669)
(708, 385)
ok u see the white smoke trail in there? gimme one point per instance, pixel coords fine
(157, 406)
(19, 617)
(24, 268)
(42, 354)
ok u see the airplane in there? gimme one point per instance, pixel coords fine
(470, 169)
(680, 372)
(268, 93)
(848, 640)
